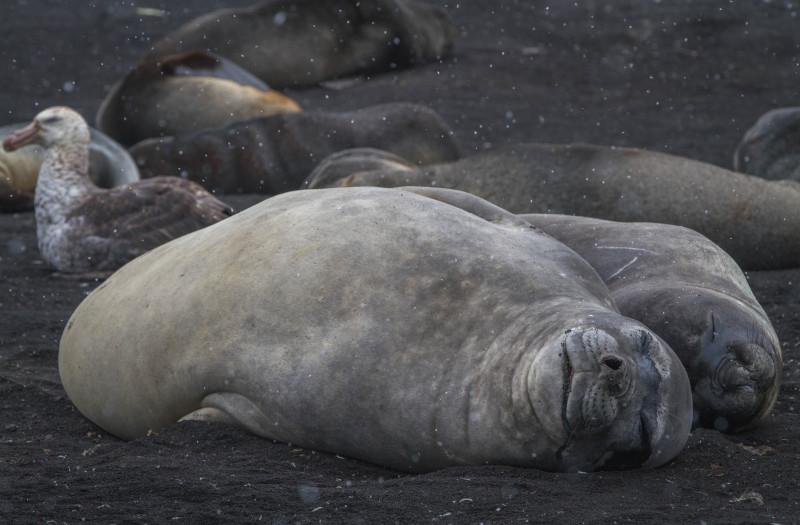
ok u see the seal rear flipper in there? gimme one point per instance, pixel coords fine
(343, 168)
(471, 204)
(232, 409)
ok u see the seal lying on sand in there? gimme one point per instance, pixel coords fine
(307, 41)
(383, 325)
(755, 220)
(771, 148)
(183, 93)
(693, 295)
(109, 165)
(275, 154)
(84, 229)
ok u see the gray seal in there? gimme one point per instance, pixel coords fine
(693, 295)
(304, 42)
(275, 154)
(771, 148)
(755, 220)
(109, 165)
(412, 328)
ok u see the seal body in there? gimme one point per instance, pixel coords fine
(771, 148)
(184, 93)
(447, 332)
(307, 41)
(692, 294)
(754, 220)
(275, 154)
(109, 165)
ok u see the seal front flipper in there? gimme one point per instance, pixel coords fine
(232, 409)
(471, 204)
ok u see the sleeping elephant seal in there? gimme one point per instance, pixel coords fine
(109, 165)
(275, 154)
(693, 295)
(183, 93)
(771, 148)
(304, 42)
(381, 324)
(755, 220)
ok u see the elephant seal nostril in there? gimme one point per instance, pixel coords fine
(613, 362)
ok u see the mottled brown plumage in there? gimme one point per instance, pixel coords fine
(83, 228)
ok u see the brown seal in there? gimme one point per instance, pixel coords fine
(755, 220)
(307, 41)
(275, 154)
(182, 93)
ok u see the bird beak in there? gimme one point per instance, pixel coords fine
(23, 136)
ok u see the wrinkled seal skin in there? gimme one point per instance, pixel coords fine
(109, 165)
(183, 93)
(305, 42)
(693, 295)
(771, 148)
(754, 220)
(275, 154)
(447, 332)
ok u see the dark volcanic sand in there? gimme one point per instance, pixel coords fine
(685, 77)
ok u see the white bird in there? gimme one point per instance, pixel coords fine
(82, 228)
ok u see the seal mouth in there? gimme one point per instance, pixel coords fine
(625, 400)
(595, 397)
(737, 389)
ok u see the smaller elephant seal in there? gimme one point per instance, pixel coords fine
(694, 296)
(275, 154)
(185, 92)
(305, 42)
(754, 220)
(109, 165)
(414, 328)
(771, 148)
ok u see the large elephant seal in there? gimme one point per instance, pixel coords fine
(183, 93)
(693, 295)
(275, 154)
(109, 165)
(771, 148)
(305, 42)
(755, 220)
(382, 324)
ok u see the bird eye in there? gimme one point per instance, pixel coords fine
(51, 120)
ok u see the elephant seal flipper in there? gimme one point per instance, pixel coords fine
(418, 339)
(230, 408)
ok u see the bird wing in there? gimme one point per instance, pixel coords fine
(151, 211)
